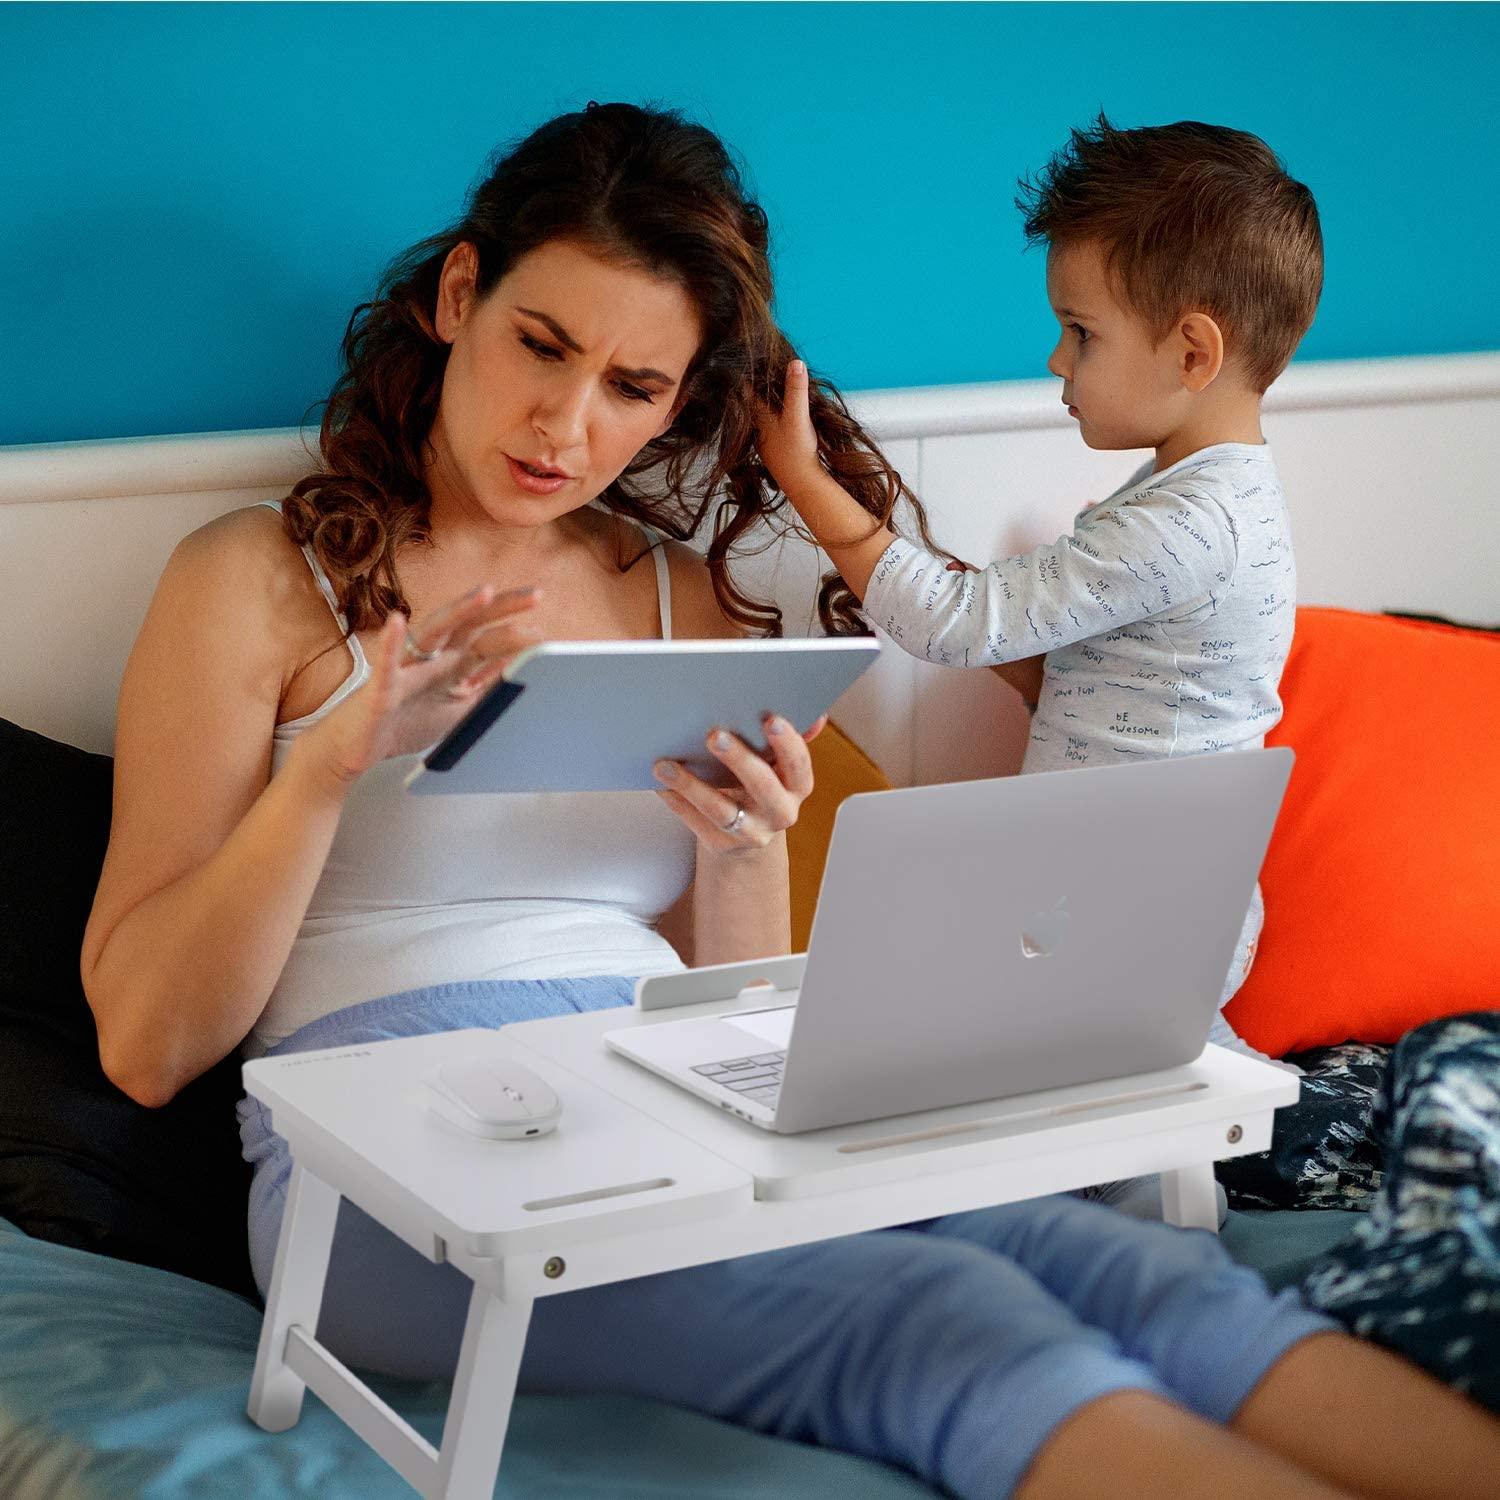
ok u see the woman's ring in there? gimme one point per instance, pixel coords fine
(415, 653)
(732, 827)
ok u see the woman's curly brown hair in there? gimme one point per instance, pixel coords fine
(644, 187)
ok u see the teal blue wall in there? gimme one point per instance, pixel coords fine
(193, 197)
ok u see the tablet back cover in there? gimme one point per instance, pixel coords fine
(579, 716)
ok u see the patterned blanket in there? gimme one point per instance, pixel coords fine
(1421, 1272)
(1323, 1149)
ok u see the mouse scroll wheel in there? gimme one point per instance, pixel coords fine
(511, 1093)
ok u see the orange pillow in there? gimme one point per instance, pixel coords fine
(1382, 882)
(840, 768)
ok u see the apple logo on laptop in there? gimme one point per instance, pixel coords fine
(1044, 931)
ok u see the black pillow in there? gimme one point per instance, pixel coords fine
(1411, 614)
(80, 1162)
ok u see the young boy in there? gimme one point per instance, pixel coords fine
(1184, 266)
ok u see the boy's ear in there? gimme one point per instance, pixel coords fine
(1200, 350)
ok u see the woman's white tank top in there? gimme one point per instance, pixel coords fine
(428, 890)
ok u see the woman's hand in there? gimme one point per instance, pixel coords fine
(786, 439)
(425, 675)
(765, 803)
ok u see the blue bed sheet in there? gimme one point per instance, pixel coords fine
(122, 1382)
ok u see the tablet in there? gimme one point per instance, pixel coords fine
(594, 716)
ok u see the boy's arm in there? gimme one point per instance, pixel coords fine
(841, 525)
(833, 515)
(1025, 676)
(830, 513)
(1166, 547)
(1125, 563)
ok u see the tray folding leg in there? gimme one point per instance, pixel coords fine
(302, 1253)
(483, 1390)
(290, 1359)
(1188, 1198)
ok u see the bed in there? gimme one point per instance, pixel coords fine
(127, 1323)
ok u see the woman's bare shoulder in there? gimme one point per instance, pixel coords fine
(249, 543)
(238, 591)
(243, 562)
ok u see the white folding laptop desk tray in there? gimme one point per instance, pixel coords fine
(641, 1177)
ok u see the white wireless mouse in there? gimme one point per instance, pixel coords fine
(494, 1098)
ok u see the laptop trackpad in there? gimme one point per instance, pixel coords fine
(773, 1026)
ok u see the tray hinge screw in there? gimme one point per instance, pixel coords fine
(1236, 1135)
(556, 1265)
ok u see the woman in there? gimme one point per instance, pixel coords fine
(594, 333)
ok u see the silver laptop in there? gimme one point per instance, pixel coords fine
(990, 938)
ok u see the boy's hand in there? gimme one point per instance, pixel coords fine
(788, 445)
(852, 538)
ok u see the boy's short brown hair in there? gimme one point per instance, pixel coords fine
(1190, 217)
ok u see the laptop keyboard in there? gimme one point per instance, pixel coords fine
(757, 1077)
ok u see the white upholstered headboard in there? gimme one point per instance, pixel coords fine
(1392, 469)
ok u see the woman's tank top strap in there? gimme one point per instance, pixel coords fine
(361, 668)
(663, 578)
(324, 586)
